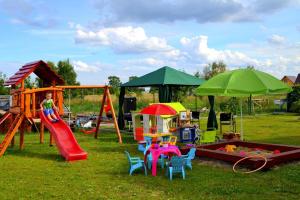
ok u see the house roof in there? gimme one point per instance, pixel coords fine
(39, 68)
(291, 78)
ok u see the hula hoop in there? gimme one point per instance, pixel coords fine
(255, 170)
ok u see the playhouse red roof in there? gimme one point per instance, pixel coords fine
(41, 69)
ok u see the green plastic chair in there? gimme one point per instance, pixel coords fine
(175, 166)
(208, 137)
(135, 163)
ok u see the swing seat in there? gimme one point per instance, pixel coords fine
(87, 132)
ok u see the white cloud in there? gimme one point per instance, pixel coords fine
(276, 39)
(81, 66)
(126, 39)
(196, 48)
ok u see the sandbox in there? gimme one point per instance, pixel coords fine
(274, 153)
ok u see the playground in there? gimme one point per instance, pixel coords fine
(84, 157)
(40, 171)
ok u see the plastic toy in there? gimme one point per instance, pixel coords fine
(249, 157)
(242, 153)
(230, 148)
(276, 151)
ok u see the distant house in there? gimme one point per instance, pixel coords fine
(290, 80)
(297, 81)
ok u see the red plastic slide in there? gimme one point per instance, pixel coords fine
(64, 138)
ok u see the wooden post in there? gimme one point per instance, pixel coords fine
(114, 115)
(60, 102)
(42, 129)
(22, 132)
(101, 112)
(33, 105)
(22, 96)
(27, 105)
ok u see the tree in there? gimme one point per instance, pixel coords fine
(115, 84)
(197, 74)
(250, 67)
(213, 69)
(66, 70)
(29, 83)
(3, 89)
(52, 65)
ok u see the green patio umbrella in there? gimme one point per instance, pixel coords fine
(243, 83)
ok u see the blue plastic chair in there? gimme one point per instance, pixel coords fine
(189, 157)
(135, 163)
(141, 147)
(176, 166)
(144, 146)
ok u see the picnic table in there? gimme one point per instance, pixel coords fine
(156, 152)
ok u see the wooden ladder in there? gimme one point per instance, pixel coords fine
(11, 133)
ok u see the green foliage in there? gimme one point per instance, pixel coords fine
(115, 84)
(231, 105)
(197, 74)
(66, 70)
(213, 69)
(52, 65)
(295, 107)
(29, 82)
(179, 93)
(3, 90)
(293, 99)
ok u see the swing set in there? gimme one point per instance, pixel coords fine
(106, 105)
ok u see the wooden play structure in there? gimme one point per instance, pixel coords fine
(24, 110)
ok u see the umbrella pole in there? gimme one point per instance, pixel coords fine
(242, 132)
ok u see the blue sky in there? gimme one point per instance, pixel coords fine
(133, 37)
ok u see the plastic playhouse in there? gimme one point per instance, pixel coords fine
(176, 125)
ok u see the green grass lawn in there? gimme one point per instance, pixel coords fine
(38, 172)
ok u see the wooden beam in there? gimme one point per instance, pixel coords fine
(34, 90)
(82, 86)
(100, 112)
(22, 103)
(114, 116)
(33, 105)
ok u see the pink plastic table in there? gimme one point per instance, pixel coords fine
(157, 152)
